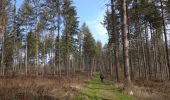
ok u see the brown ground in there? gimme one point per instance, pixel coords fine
(147, 90)
(64, 88)
(150, 90)
(40, 88)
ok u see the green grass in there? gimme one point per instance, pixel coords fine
(96, 90)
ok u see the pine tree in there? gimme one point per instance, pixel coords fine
(168, 6)
(70, 30)
(125, 42)
(5, 27)
(115, 38)
(26, 17)
(88, 47)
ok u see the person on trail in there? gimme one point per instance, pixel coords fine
(101, 77)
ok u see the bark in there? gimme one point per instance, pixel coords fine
(115, 34)
(166, 39)
(2, 54)
(26, 65)
(125, 43)
(148, 52)
(58, 31)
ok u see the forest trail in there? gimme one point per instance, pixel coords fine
(96, 90)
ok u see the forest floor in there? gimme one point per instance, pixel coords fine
(97, 90)
(94, 89)
(41, 88)
(152, 90)
(78, 87)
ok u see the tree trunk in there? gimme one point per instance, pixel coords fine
(115, 40)
(165, 35)
(2, 55)
(59, 69)
(125, 43)
(148, 53)
(26, 69)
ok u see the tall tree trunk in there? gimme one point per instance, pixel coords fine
(147, 52)
(165, 35)
(2, 54)
(54, 58)
(37, 52)
(125, 43)
(14, 34)
(44, 67)
(14, 55)
(58, 30)
(26, 65)
(115, 40)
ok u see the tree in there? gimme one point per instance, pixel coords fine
(58, 36)
(26, 17)
(116, 40)
(88, 47)
(165, 35)
(125, 42)
(5, 16)
(38, 28)
(108, 24)
(70, 30)
(98, 56)
(168, 6)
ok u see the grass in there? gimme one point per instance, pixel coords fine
(96, 90)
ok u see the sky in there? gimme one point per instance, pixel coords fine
(91, 12)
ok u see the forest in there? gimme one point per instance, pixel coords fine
(45, 54)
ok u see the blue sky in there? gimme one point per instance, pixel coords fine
(91, 12)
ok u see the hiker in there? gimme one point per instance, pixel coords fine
(101, 77)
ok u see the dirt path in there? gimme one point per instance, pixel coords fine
(96, 90)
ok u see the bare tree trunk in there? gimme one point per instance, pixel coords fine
(44, 59)
(125, 43)
(2, 55)
(26, 67)
(148, 53)
(144, 58)
(14, 34)
(131, 65)
(57, 56)
(54, 56)
(166, 40)
(83, 64)
(14, 52)
(155, 60)
(138, 58)
(116, 40)
(110, 60)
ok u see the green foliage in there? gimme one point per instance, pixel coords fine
(146, 12)
(8, 51)
(4, 13)
(98, 49)
(70, 17)
(88, 42)
(152, 15)
(5, 31)
(168, 6)
(70, 28)
(31, 45)
(48, 44)
(26, 13)
(107, 23)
